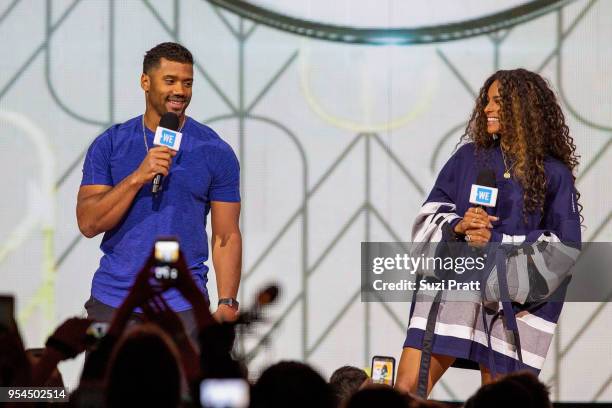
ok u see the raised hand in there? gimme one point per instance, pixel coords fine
(142, 290)
(158, 311)
(185, 284)
(73, 333)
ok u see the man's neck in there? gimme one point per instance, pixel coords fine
(152, 118)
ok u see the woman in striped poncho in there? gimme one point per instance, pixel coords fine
(518, 131)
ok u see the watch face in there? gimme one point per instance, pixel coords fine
(387, 14)
(228, 302)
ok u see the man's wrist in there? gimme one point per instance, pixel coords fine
(135, 181)
(228, 301)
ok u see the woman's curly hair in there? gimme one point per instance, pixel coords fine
(533, 127)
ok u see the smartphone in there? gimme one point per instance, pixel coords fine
(383, 370)
(166, 256)
(224, 393)
(166, 251)
(7, 310)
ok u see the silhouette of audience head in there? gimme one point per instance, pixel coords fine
(522, 389)
(144, 370)
(291, 384)
(378, 395)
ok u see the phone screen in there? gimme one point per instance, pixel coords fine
(383, 370)
(224, 393)
(166, 256)
(166, 251)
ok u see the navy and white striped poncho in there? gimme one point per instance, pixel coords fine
(459, 330)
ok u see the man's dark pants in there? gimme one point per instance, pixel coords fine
(100, 312)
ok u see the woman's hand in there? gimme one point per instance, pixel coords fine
(476, 225)
(478, 237)
(475, 218)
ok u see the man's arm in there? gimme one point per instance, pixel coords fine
(226, 245)
(101, 207)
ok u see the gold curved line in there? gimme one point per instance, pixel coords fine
(423, 102)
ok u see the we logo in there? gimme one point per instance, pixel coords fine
(168, 138)
(483, 195)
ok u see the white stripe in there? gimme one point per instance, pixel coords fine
(468, 333)
(432, 207)
(548, 238)
(538, 323)
(513, 239)
(425, 229)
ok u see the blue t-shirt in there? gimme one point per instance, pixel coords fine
(205, 169)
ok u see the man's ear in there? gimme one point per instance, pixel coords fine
(145, 82)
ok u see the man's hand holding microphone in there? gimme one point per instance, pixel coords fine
(158, 160)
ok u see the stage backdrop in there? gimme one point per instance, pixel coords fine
(340, 129)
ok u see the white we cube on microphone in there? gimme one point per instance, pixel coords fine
(483, 195)
(166, 134)
(168, 138)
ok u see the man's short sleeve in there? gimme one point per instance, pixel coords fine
(225, 184)
(96, 167)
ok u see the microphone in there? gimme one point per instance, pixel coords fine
(264, 298)
(484, 192)
(166, 135)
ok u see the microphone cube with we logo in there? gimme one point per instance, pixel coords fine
(483, 195)
(168, 138)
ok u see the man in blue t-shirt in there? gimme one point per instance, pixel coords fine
(115, 195)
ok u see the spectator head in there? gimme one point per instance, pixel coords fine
(378, 395)
(538, 390)
(515, 390)
(291, 384)
(419, 403)
(144, 370)
(346, 381)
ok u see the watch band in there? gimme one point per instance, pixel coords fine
(231, 302)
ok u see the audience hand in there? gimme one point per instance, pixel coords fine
(158, 312)
(71, 336)
(185, 284)
(142, 290)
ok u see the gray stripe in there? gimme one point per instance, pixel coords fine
(467, 314)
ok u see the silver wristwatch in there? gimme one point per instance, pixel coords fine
(231, 302)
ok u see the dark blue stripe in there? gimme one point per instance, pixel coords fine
(467, 349)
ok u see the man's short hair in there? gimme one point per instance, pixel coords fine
(168, 50)
(345, 381)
